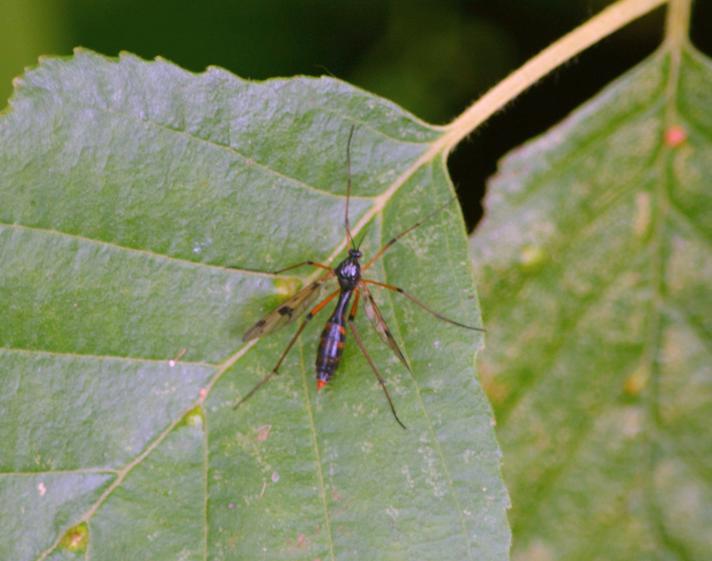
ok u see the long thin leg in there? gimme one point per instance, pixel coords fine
(405, 232)
(347, 224)
(310, 263)
(315, 310)
(354, 306)
(381, 381)
(419, 303)
(374, 314)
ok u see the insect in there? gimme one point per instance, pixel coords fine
(351, 285)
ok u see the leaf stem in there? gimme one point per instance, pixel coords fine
(677, 26)
(677, 23)
(608, 21)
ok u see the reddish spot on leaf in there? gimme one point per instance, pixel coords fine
(302, 542)
(263, 433)
(675, 135)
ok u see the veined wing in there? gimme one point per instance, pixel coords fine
(374, 314)
(287, 311)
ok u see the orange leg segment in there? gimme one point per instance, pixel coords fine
(315, 310)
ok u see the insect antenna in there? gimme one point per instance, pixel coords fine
(363, 237)
(347, 224)
(407, 231)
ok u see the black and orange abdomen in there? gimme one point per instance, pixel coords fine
(331, 347)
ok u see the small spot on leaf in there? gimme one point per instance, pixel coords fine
(76, 538)
(636, 382)
(532, 257)
(675, 135)
(497, 391)
(176, 358)
(287, 286)
(193, 418)
(263, 433)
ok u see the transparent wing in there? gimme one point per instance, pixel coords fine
(287, 311)
(379, 324)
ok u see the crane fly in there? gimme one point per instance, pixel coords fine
(351, 286)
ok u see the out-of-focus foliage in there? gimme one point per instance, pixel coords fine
(595, 274)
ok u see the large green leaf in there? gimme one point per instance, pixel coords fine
(594, 260)
(140, 207)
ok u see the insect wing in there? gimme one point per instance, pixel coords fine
(379, 324)
(286, 312)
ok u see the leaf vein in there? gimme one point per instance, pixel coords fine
(572, 323)
(141, 251)
(60, 354)
(231, 149)
(317, 454)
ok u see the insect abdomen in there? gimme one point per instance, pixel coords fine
(331, 347)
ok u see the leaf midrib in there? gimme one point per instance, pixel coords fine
(316, 451)
(654, 339)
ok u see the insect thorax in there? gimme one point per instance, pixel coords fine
(348, 272)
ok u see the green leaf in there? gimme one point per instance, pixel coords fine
(595, 274)
(141, 208)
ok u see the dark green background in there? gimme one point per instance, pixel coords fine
(432, 57)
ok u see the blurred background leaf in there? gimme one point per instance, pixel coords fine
(431, 57)
(594, 272)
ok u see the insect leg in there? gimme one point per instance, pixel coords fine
(310, 263)
(419, 303)
(379, 323)
(354, 306)
(381, 381)
(315, 310)
(392, 241)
